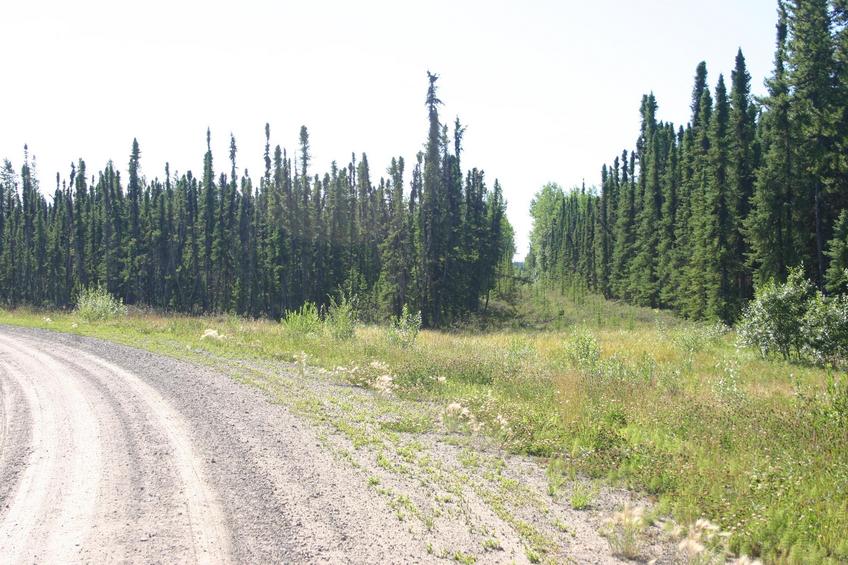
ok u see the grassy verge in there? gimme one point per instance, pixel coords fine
(628, 395)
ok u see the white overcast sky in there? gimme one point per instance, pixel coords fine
(550, 90)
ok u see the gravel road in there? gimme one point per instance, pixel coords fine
(111, 454)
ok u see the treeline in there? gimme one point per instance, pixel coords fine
(695, 216)
(224, 242)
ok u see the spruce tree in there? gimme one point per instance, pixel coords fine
(770, 225)
(699, 223)
(670, 183)
(810, 72)
(741, 172)
(644, 288)
(432, 211)
(209, 205)
(133, 246)
(716, 243)
(836, 278)
(623, 236)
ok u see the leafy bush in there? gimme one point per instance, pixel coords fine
(96, 304)
(303, 321)
(772, 321)
(825, 410)
(340, 320)
(836, 402)
(404, 329)
(790, 318)
(825, 329)
(583, 350)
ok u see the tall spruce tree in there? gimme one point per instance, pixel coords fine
(741, 171)
(810, 73)
(770, 225)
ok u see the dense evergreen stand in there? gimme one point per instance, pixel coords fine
(695, 216)
(228, 243)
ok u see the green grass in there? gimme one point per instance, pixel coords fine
(461, 557)
(581, 496)
(627, 395)
(555, 475)
(491, 544)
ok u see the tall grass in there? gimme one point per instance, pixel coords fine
(340, 320)
(96, 304)
(304, 321)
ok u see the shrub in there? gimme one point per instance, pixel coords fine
(826, 410)
(836, 402)
(772, 321)
(404, 329)
(790, 319)
(303, 321)
(583, 350)
(340, 320)
(96, 304)
(824, 329)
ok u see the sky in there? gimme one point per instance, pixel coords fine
(549, 90)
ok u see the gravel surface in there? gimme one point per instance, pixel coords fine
(113, 454)
(169, 462)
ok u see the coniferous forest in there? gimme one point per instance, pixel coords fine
(697, 215)
(429, 236)
(691, 219)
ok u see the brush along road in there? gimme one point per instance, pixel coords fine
(112, 454)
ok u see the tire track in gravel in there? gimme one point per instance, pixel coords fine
(14, 431)
(56, 492)
(285, 497)
(105, 469)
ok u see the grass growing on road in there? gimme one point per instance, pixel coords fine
(631, 396)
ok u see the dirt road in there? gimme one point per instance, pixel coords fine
(111, 454)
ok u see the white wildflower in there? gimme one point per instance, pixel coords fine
(745, 560)
(704, 530)
(384, 383)
(212, 334)
(454, 408)
(691, 547)
(629, 515)
(379, 366)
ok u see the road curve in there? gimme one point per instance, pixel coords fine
(79, 491)
(112, 454)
